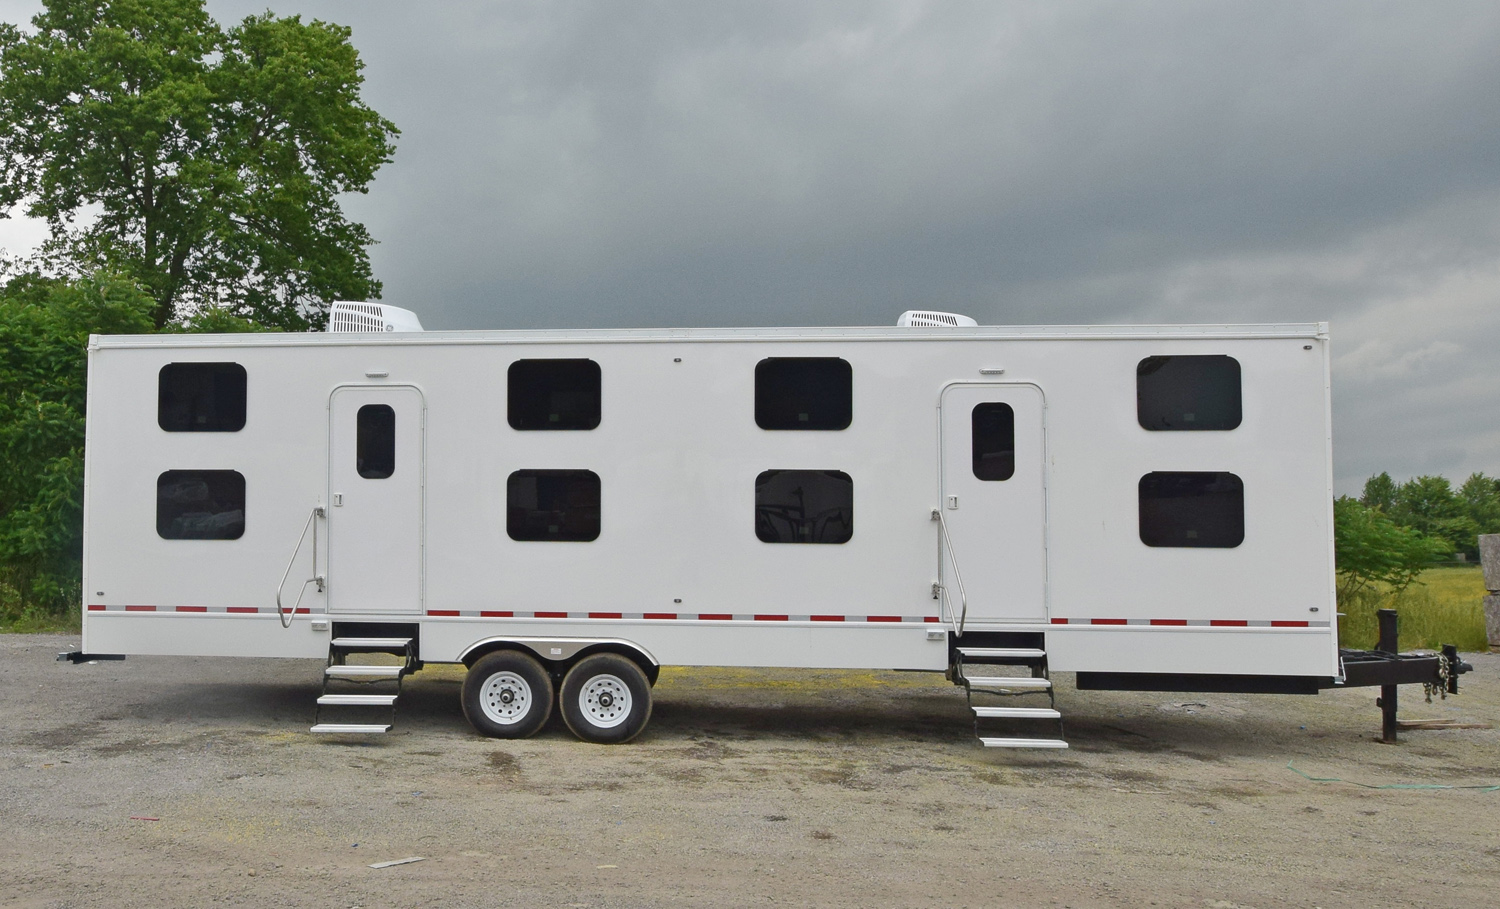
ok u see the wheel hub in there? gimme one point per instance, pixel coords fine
(505, 698)
(605, 701)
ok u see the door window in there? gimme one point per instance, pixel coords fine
(993, 429)
(375, 441)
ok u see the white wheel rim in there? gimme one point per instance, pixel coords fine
(505, 698)
(605, 701)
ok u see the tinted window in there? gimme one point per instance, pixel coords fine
(1188, 393)
(804, 506)
(804, 393)
(553, 394)
(375, 446)
(994, 433)
(559, 505)
(200, 505)
(201, 397)
(1192, 509)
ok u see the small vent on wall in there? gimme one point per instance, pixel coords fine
(921, 318)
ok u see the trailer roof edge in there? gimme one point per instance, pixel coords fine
(1300, 330)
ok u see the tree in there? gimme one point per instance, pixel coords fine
(1379, 492)
(1369, 547)
(44, 329)
(214, 156)
(1429, 506)
(1481, 498)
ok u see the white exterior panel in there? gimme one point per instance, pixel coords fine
(677, 452)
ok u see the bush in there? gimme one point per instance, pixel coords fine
(1370, 548)
(44, 329)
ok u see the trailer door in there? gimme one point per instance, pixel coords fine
(375, 485)
(994, 500)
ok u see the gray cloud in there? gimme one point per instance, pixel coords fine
(604, 164)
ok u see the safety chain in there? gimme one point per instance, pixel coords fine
(1441, 686)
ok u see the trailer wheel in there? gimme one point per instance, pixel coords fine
(606, 698)
(507, 695)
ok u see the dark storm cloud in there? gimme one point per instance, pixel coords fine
(611, 164)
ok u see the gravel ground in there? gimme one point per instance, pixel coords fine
(164, 782)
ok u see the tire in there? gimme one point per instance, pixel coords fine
(606, 699)
(507, 695)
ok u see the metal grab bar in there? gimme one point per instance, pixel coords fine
(282, 613)
(963, 595)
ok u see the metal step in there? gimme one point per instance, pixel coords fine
(1023, 743)
(364, 672)
(371, 643)
(1017, 713)
(355, 728)
(1001, 653)
(357, 700)
(988, 683)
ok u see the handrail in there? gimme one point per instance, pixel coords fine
(286, 616)
(958, 627)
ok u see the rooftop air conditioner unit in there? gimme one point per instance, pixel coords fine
(923, 318)
(349, 316)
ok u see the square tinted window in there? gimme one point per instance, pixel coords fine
(553, 394)
(1188, 393)
(558, 505)
(1205, 510)
(804, 506)
(993, 426)
(375, 441)
(200, 505)
(201, 397)
(804, 393)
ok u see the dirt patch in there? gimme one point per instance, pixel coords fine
(814, 788)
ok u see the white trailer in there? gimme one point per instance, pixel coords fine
(566, 511)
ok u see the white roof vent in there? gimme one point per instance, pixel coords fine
(922, 318)
(348, 316)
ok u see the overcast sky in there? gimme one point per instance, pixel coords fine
(705, 164)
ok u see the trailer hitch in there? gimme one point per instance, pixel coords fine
(1386, 667)
(1452, 667)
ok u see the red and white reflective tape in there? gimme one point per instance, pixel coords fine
(1195, 623)
(722, 617)
(210, 610)
(551, 614)
(679, 616)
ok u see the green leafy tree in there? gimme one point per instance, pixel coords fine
(1481, 498)
(1370, 547)
(214, 157)
(1379, 492)
(1429, 506)
(44, 329)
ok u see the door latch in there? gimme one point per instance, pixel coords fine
(952, 502)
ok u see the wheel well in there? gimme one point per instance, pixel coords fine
(557, 668)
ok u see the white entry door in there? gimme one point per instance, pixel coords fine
(375, 486)
(993, 500)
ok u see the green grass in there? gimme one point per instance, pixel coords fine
(36, 621)
(1444, 606)
(14, 620)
